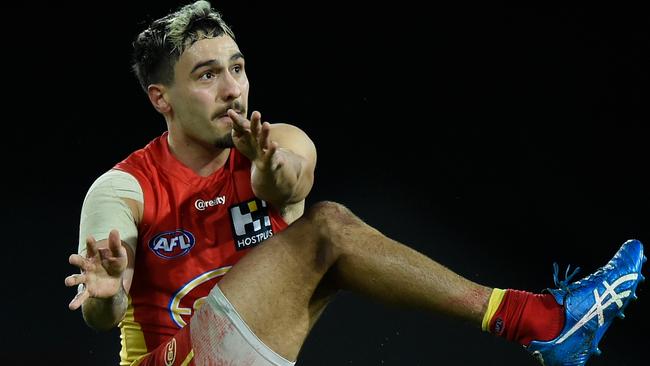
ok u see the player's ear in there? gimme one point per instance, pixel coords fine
(158, 97)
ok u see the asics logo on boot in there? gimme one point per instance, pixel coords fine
(598, 307)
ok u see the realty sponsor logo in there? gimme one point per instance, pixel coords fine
(201, 205)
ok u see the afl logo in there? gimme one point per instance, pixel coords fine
(172, 244)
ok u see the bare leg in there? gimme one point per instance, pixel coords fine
(281, 287)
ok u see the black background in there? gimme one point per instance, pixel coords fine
(495, 138)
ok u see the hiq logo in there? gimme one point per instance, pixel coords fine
(251, 223)
(172, 244)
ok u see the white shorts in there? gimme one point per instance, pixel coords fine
(221, 337)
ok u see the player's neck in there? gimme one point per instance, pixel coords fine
(203, 160)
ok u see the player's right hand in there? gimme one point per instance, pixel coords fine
(252, 139)
(101, 270)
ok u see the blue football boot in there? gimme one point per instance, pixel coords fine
(590, 306)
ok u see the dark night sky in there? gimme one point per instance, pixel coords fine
(494, 138)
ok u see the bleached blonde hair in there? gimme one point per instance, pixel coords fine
(157, 48)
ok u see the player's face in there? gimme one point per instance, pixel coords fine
(209, 78)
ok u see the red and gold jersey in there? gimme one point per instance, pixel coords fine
(192, 231)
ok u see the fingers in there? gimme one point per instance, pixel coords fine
(254, 137)
(263, 138)
(240, 124)
(114, 243)
(82, 293)
(91, 247)
(273, 147)
(108, 258)
(267, 146)
(277, 161)
(80, 262)
(78, 299)
(75, 279)
(256, 124)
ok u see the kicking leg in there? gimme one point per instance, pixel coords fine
(281, 287)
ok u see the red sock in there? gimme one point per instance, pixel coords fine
(523, 317)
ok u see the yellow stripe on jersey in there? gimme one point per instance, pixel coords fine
(493, 306)
(132, 338)
(138, 361)
(189, 358)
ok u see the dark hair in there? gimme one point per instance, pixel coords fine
(157, 48)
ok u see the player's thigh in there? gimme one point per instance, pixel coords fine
(273, 287)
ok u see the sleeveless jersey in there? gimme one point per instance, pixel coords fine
(192, 231)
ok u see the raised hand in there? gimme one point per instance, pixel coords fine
(251, 138)
(101, 270)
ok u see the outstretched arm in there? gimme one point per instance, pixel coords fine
(283, 157)
(111, 210)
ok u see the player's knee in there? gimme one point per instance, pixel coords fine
(331, 220)
(327, 220)
(325, 214)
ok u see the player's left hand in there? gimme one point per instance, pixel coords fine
(252, 139)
